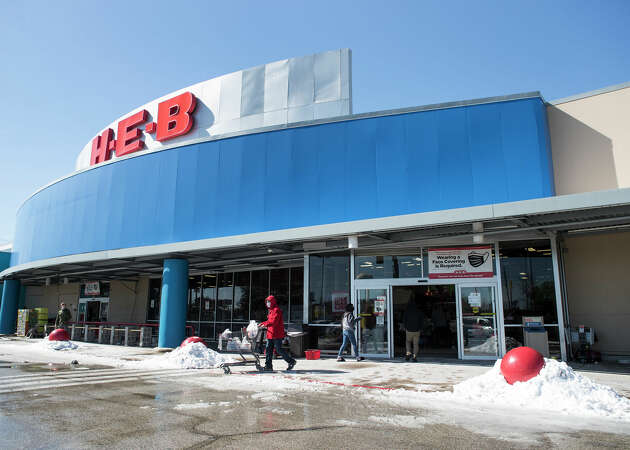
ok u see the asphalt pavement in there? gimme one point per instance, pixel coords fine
(58, 406)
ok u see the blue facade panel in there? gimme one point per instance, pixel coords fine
(321, 174)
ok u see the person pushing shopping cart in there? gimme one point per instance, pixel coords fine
(275, 334)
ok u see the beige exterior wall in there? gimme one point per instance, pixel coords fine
(590, 142)
(127, 299)
(51, 296)
(598, 289)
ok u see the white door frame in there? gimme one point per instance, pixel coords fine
(460, 319)
(373, 285)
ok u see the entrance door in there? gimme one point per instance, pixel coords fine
(437, 308)
(94, 309)
(373, 310)
(478, 335)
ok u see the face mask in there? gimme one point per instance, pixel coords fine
(268, 304)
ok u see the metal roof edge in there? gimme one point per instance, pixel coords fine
(605, 90)
(445, 217)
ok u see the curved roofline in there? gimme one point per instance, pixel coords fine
(545, 205)
(382, 113)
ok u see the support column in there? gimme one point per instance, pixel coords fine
(173, 303)
(9, 307)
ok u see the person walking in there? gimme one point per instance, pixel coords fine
(275, 334)
(63, 317)
(414, 319)
(347, 325)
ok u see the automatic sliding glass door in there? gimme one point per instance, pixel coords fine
(479, 337)
(373, 310)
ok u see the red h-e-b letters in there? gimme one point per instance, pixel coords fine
(174, 120)
(174, 116)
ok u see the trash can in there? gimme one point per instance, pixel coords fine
(535, 335)
(296, 342)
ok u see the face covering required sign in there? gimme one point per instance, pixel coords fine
(460, 262)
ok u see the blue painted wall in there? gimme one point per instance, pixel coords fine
(5, 259)
(356, 169)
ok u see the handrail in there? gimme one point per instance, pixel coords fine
(128, 324)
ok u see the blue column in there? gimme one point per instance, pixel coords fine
(173, 303)
(9, 308)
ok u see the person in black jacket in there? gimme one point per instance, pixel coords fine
(413, 320)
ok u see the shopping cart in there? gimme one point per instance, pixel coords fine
(256, 349)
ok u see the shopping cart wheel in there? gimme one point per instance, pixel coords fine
(226, 370)
(259, 367)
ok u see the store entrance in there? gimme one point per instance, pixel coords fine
(438, 313)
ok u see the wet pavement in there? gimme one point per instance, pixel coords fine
(168, 412)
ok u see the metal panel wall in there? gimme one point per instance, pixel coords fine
(292, 90)
(335, 172)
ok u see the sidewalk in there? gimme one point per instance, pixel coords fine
(430, 374)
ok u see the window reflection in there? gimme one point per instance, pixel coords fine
(208, 297)
(224, 297)
(153, 306)
(297, 294)
(241, 296)
(194, 298)
(229, 300)
(527, 281)
(279, 288)
(329, 287)
(260, 291)
(388, 266)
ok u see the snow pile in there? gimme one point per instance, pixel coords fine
(59, 345)
(195, 356)
(557, 387)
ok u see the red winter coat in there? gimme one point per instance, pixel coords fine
(274, 322)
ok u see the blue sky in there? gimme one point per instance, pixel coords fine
(68, 68)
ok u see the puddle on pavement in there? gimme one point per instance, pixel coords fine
(45, 367)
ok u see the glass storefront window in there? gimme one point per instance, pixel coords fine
(260, 291)
(241, 297)
(329, 285)
(229, 300)
(388, 266)
(153, 305)
(324, 338)
(279, 288)
(527, 281)
(206, 331)
(297, 295)
(513, 338)
(225, 297)
(208, 297)
(194, 298)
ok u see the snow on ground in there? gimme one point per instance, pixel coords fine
(59, 345)
(190, 356)
(186, 406)
(556, 388)
(480, 397)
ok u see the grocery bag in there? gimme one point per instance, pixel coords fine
(252, 329)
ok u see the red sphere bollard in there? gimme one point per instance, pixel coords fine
(521, 364)
(192, 340)
(59, 335)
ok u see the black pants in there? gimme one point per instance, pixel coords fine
(277, 343)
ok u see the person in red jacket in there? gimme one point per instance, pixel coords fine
(275, 333)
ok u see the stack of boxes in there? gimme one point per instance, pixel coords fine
(31, 319)
(39, 318)
(23, 322)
